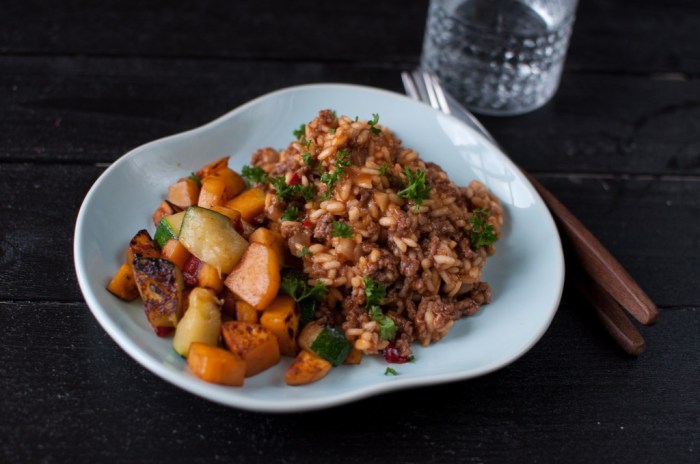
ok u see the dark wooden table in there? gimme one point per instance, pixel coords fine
(619, 144)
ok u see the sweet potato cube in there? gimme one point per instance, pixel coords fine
(216, 365)
(209, 277)
(232, 214)
(176, 252)
(253, 343)
(249, 203)
(213, 167)
(123, 284)
(245, 312)
(256, 277)
(270, 238)
(281, 318)
(306, 368)
(233, 182)
(164, 209)
(355, 357)
(212, 193)
(184, 193)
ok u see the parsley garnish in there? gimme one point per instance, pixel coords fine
(482, 233)
(342, 160)
(286, 191)
(306, 157)
(383, 169)
(390, 371)
(387, 326)
(374, 293)
(372, 124)
(331, 131)
(294, 284)
(417, 189)
(341, 229)
(195, 178)
(254, 174)
(299, 133)
(303, 252)
(291, 214)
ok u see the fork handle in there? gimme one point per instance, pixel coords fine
(603, 268)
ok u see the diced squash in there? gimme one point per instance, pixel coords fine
(213, 192)
(246, 313)
(270, 238)
(249, 203)
(211, 237)
(232, 214)
(232, 180)
(216, 365)
(306, 368)
(142, 246)
(252, 342)
(168, 228)
(160, 285)
(123, 284)
(355, 357)
(176, 252)
(213, 167)
(209, 277)
(281, 318)
(184, 193)
(256, 277)
(326, 342)
(201, 322)
(164, 209)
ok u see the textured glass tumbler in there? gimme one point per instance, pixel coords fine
(498, 57)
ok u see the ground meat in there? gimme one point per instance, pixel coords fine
(434, 318)
(324, 228)
(265, 156)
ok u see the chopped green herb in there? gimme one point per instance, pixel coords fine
(331, 131)
(482, 233)
(390, 371)
(307, 158)
(291, 214)
(374, 293)
(417, 189)
(194, 177)
(303, 252)
(383, 169)
(294, 284)
(387, 326)
(254, 174)
(341, 229)
(342, 160)
(306, 143)
(372, 124)
(411, 358)
(299, 133)
(286, 191)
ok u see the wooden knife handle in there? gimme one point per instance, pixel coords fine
(599, 263)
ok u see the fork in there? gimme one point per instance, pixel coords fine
(607, 285)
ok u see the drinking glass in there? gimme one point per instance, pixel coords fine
(498, 57)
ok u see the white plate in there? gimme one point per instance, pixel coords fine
(526, 274)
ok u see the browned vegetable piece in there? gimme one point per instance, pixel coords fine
(209, 277)
(165, 209)
(176, 252)
(281, 318)
(355, 357)
(256, 277)
(212, 193)
(270, 238)
(306, 368)
(249, 203)
(213, 167)
(142, 246)
(160, 285)
(253, 343)
(233, 182)
(123, 285)
(184, 193)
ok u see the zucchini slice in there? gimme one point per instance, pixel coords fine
(211, 237)
(168, 228)
(326, 342)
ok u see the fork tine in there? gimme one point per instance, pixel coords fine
(409, 86)
(439, 93)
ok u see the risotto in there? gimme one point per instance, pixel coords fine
(399, 247)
